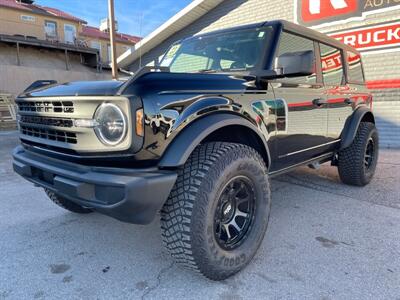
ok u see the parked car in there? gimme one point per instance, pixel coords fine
(198, 137)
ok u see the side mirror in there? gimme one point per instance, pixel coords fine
(291, 64)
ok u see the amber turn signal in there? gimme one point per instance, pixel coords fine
(139, 122)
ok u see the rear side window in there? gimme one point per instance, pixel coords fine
(332, 65)
(356, 74)
(290, 43)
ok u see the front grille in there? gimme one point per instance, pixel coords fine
(49, 134)
(48, 121)
(46, 106)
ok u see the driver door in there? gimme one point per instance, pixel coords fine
(302, 134)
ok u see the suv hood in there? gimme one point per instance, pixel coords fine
(162, 82)
(78, 88)
(148, 82)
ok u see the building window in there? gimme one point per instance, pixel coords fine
(28, 18)
(332, 65)
(69, 33)
(50, 28)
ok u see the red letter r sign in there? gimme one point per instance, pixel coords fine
(314, 12)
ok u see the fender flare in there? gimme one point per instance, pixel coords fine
(186, 141)
(352, 124)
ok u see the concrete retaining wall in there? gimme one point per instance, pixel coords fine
(14, 79)
(38, 64)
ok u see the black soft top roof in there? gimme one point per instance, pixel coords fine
(301, 30)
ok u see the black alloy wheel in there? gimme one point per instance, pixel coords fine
(369, 155)
(235, 212)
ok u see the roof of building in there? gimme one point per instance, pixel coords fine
(185, 17)
(41, 10)
(62, 14)
(22, 6)
(94, 32)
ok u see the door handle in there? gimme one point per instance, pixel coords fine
(348, 101)
(320, 101)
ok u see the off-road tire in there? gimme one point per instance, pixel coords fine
(351, 165)
(67, 204)
(187, 218)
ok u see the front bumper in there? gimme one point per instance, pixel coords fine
(129, 195)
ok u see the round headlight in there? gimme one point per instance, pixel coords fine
(111, 124)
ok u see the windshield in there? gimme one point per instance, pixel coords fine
(229, 51)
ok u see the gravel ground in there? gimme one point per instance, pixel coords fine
(325, 241)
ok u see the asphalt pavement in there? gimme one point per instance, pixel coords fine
(325, 240)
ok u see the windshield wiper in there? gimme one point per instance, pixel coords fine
(206, 71)
(221, 71)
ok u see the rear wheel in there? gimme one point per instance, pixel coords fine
(217, 213)
(357, 163)
(67, 204)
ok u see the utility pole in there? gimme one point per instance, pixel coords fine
(111, 20)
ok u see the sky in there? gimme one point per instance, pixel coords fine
(129, 13)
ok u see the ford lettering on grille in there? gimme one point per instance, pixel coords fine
(46, 106)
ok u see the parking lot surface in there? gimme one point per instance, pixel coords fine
(325, 241)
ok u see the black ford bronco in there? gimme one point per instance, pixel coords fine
(197, 137)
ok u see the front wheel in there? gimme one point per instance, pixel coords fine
(357, 163)
(217, 213)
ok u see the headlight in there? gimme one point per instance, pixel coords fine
(111, 124)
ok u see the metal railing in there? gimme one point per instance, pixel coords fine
(7, 112)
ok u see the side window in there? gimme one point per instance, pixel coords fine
(294, 43)
(332, 65)
(356, 74)
(50, 29)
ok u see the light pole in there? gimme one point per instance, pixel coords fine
(111, 19)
